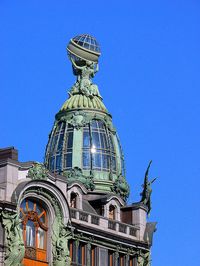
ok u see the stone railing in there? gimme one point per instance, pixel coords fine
(104, 223)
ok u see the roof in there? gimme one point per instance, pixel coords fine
(88, 208)
(81, 101)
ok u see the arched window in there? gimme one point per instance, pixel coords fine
(98, 147)
(73, 200)
(34, 223)
(112, 213)
(60, 148)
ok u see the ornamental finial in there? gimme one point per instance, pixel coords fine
(84, 51)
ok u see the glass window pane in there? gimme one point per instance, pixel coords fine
(97, 160)
(60, 142)
(23, 205)
(68, 160)
(94, 124)
(96, 140)
(39, 209)
(70, 140)
(105, 161)
(30, 234)
(86, 159)
(104, 141)
(86, 139)
(30, 205)
(52, 159)
(100, 124)
(58, 127)
(80, 254)
(58, 162)
(42, 218)
(86, 45)
(101, 147)
(113, 162)
(55, 138)
(40, 237)
(81, 43)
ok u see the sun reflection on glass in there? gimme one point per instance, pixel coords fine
(93, 149)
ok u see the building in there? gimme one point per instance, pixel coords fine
(72, 209)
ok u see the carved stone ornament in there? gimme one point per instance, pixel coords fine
(121, 187)
(144, 259)
(79, 119)
(61, 235)
(14, 239)
(30, 252)
(76, 174)
(109, 124)
(38, 171)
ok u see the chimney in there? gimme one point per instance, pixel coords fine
(9, 153)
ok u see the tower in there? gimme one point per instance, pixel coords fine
(72, 209)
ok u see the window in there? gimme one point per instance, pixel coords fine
(112, 213)
(93, 258)
(34, 224)
(132, 261)
(73, 200)
(61, 142)
(72, 249)
(110, 258)
(98, 147)
(77, 253)
(121, 260)
(82, 254)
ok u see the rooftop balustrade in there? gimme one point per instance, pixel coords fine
(104, 223)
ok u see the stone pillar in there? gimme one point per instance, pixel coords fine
(139, 216)
(88, 262)
(127, 257)
(77, 246)
(116, 257)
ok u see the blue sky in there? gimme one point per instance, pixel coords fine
(149, 79)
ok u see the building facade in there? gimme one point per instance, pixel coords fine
(71, 210)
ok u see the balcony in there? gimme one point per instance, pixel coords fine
(112, 225)
(105, 224)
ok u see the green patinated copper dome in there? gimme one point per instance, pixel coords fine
(83, 144)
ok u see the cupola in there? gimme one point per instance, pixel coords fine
(83, 144)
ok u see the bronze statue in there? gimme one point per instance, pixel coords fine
(147, 190)
(84, 74)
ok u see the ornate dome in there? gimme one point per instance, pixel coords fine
(83, 144)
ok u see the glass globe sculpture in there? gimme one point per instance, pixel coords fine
(84, 47)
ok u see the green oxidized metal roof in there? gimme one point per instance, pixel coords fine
(83, 145)
(81, 101)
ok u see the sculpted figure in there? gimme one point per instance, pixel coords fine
(147, 190)
(38, 171)
(14, 240)
(60, 244)
(144, 259)
(121, 187)
(84, 75)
